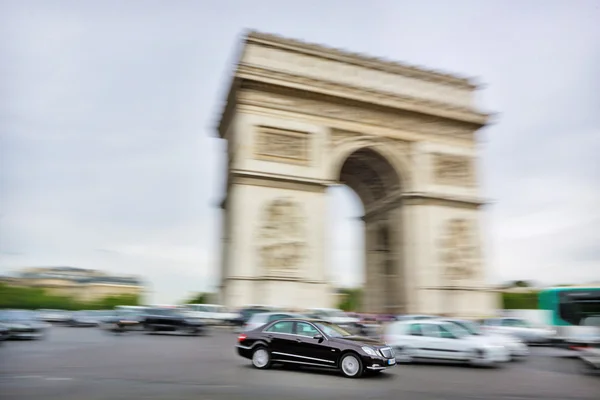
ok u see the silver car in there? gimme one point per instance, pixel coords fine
(519, 328)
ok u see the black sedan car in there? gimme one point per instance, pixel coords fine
(314, 343)
(172, 320)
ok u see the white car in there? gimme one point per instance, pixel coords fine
(439, 340)
(519, 328)
(214, 314)
(516, 347)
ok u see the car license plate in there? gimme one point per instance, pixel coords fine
(391, 362)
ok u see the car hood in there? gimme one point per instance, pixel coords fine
(360, 341)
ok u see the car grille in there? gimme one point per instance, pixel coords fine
(387, 352)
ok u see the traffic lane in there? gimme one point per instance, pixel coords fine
(76, 362)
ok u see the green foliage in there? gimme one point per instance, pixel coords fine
(198, 298)
(29, 298)
(350, 299)
(520, 301)
(522, 284)
(108, 303)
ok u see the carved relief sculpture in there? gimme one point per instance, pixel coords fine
(281, 145)
(453, 170)
(459, 250)
(282, 238)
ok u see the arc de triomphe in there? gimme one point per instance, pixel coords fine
(301, 117)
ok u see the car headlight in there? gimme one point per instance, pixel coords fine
(369, 351)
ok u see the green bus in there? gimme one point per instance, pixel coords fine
(573, 311)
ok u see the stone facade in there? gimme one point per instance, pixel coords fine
(300, 118)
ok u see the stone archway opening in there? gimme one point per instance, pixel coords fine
(377, 184)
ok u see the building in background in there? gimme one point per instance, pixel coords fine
(79, 283)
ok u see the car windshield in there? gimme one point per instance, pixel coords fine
(332, 330)
(81, 314)
(127, 313)
(16, 315)
(469, 326)
(519, 323)
(169, 312)
(248, 313)
(456, 330)
(103, 313)
(591, 321)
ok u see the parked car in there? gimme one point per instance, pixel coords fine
(314, 343)
(4, 332)
(438, 340)
(515, 346)
(23, 324)
(214, 314)
(589, 359)
(82, 319)
(261, 319)
(121, 321)
(172, 320)
(519, 328)
(246, 313)
(338, 317)
(54, 316)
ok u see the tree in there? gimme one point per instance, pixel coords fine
(520, 301)
(31, 298)
(198, 298)
(351, 299)
(522, 284)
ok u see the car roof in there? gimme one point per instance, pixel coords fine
(274, 313)
(453, 319)
(421, 322)
(301, 319)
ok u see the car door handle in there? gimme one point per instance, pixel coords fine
(298, 340)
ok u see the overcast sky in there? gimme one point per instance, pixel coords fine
(108, 108)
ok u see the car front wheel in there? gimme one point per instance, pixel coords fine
(261, 358)
(351, 366)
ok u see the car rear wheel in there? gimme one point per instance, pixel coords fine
(191, 330)
(478, 359)
(351, 366)
(587, 368)
(261, 359)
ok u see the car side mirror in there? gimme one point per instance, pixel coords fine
(318, 336)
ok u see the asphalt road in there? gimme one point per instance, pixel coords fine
(89, 364)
